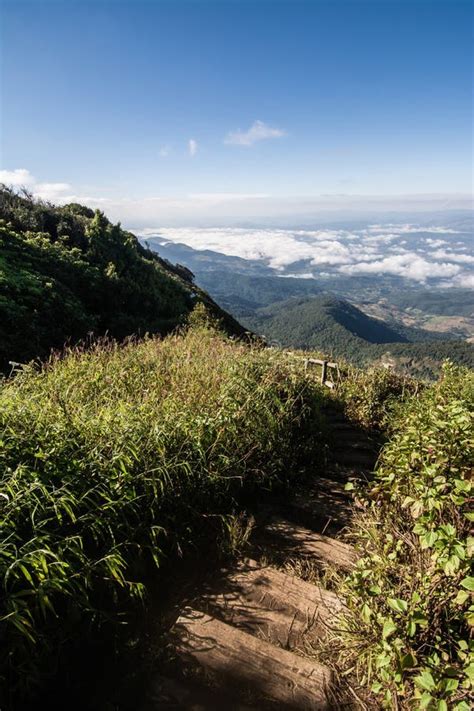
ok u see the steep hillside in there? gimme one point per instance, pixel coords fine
(67, 272)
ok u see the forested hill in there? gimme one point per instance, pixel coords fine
(322, 322)
(67, 272)
(332, 325)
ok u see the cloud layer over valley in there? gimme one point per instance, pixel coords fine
(425, 254)
(424, 238)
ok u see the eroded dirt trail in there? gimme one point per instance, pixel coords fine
(237, 644)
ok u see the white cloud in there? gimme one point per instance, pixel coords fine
(435, 242)
(258, 131)
(410, 229)
(19, 177)
(210, 208)
(164, 151)
(409, 265)
(192, 147)
(453, 256)
(464, 281)
(51, 191)
(345, 252)
(59, 193)
(400, 249)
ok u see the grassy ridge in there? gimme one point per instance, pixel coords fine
(120, 457)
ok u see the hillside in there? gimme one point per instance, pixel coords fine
(323, 322)
(244, 293)
(229, 279)
(336, 327)
(67, 272)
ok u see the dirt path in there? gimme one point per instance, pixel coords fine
(237, 644)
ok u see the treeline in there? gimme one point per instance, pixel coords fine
(67, 273)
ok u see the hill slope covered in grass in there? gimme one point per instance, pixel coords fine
(67, 272)
(119, 458)
(323, 322)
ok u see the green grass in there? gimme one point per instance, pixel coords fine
(117, 459)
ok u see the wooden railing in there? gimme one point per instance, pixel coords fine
(326, 368)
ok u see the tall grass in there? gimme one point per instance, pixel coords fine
(124, 454)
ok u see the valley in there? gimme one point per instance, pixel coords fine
(386, 319)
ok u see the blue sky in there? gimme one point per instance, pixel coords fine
(133, 101)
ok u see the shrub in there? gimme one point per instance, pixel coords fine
(371, 396)
(410, 594)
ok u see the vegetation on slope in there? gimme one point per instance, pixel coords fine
(118, 458)
(67, 272)
(410, 596)
(326, 323)
(243, 294)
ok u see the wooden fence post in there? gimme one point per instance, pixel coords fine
(323, 372)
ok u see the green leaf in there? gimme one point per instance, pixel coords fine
(469, 671)
(408, 661)
(389, 628)
(382, 660)
(461, 597)
(462, 706)
(397, 604)
(428, 539)
(468, 583)
(425, 700)
(450, 684)
(452, 565)
(425, 681)
(442, 705)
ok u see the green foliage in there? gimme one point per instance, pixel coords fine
(371, 397)
(117, 458)
(67, 272)
(410, 594)
(326, 323)
(323, 322)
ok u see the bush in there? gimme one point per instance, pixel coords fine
(410, 594)
(370, 397)
(121, 455)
